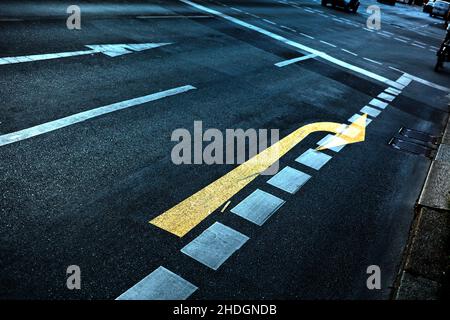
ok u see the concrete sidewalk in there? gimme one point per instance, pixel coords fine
(424, 273)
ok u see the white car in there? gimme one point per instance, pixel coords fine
(440, 9)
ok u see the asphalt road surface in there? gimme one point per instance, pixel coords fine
(84, 193)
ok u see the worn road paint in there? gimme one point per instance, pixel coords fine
(111, 50)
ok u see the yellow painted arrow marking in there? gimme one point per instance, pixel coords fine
(184, 216)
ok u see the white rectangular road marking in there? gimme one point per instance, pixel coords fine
(294, 44)
(378, 103)
(386, 96)
(350, 52)
(215, 245)
(290, 61)
(356, 116)
(401, 40)
(289, 179)
(393, 91)
(330, 138)
(268, 21)
(404, 80)
(161, 284)
(313, 159)
(327, 43)
(287, 28)
(258, 207)
(370, 111)
(85, 115)
(373, 61)
(418, 45)
(306, 35)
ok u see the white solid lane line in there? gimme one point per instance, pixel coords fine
(294, 44)
(85, 115)
(290, 61)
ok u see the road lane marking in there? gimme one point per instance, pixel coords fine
(373, 61)
(425, 82)
(331, 139)
(354, 118)
(418, 45)
(187, 214)
(86, 115)
(258, 207)
(174, 17)
(313, 159)
(225, 206)
(111, 50)
(350, 52)
(236, 9)
(287, 28)
(392, 91)
(401, 40)
(289, 179)
(370, 111)
(294, 60)
(328, 44)
(378, 103)
(404, 80)
(306, 35)
(215, 245)
(386, 96)
(294, 44)
(268, 21)
(161, 284)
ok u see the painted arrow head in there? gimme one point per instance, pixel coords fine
(356, 132)
(114, 50)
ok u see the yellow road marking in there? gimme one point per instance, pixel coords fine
(184, 216)
(225, 206)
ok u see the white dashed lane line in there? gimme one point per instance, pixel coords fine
(401, 40)
(373, 112)
(350, 52)
(258, 207)
(161, 284)
(215, 245)
(373, 61)
(268, 21)
(289, 179)
(306, 35)
(327, 43)
(313, 159)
